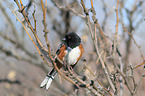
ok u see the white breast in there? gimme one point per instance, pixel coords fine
(72, 55)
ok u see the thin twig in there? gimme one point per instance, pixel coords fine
(68, 8)
(34, 20)
(96, 47)
(25, 15)
(117, 20)
(117, 23)
(31, 38)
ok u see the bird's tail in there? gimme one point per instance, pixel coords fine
(48, 79)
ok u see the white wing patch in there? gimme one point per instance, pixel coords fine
(72, 55)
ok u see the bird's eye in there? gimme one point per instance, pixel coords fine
(69, 37)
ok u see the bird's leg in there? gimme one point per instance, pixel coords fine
(66, 68)
(69, 70)
(65, 64)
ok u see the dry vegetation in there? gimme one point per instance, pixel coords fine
(112, 34)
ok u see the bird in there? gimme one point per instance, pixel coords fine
(70, 51)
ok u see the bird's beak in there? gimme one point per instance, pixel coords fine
(64, 39)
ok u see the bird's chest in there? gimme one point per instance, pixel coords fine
(72, 55)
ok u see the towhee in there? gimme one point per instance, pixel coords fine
(70, 51)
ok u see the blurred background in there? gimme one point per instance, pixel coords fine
(21, 68)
